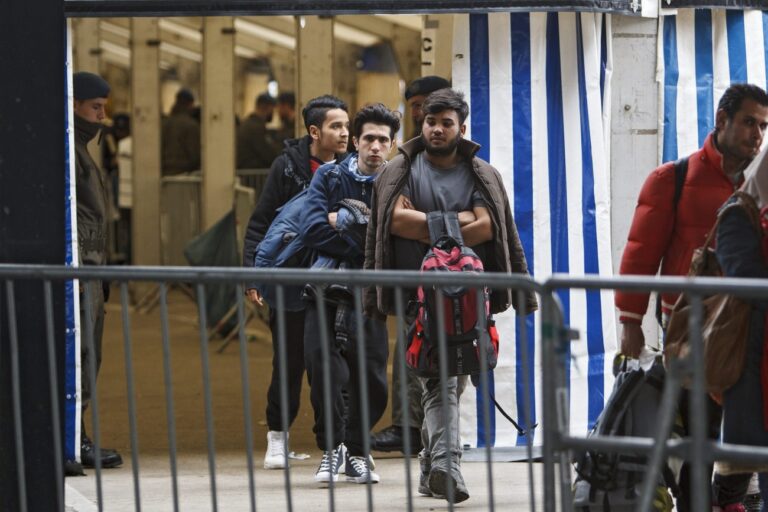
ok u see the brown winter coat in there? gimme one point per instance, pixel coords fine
(505, 251)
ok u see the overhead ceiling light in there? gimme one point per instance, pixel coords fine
(353, 35)
(181, 30)
(273, 36)
(115, 29)
(246, 53)
(180, 52)
(116, 50)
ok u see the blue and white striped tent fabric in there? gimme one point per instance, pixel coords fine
(538, 88)
(729, 47)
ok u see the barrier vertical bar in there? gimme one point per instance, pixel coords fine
(442, 348)
(549, 411)
(483, 340)
(698, 412)
(246, 394)
(407, 441)
(282, 363)
(325, 349)
(207, 393)
(169, 394)
(527, 406)
(130, 389)
(16, 392)
(363, 373)
(58, 459)
(89, 343)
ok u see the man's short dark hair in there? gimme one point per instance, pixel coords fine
(185, 97)
(376, 113)
(315, 110)
(735, 95)
(265, 99)
(446, 99)
(287, 98)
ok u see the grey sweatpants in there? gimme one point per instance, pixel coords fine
(441, 440)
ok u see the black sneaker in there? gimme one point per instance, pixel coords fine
(390, 439)
(332, 460)
(109, 458)
(358, 470)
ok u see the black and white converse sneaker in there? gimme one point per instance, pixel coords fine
(359, 471)
(330, 464)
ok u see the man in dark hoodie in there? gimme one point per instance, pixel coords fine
(327, 123)
(91, 93)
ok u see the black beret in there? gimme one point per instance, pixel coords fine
(425, 85)
(88, 86)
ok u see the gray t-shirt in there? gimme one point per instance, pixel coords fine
(432, 189)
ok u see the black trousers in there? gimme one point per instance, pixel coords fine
(294, 341)
(345, 375)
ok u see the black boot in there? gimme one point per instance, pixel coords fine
(390, 439)
(109, 458)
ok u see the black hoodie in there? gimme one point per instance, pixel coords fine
(290, 174)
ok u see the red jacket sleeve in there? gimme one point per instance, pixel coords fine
(652, 226)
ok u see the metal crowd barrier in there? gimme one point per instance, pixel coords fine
(698, 449)
(558, 442)
(199, 276)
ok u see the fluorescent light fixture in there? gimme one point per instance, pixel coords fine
(246, 53)
(353, 35)
(180, 52)
(181, 30)
(116, 49)
(272, 36)
(115, 29)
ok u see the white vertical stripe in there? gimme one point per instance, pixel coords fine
(687, 113)
(721, 62)
(461, 62)
(569, 74)
(753, 34)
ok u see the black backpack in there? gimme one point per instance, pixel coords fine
(611, 481)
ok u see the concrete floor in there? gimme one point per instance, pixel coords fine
(232, 487)
(510, 492)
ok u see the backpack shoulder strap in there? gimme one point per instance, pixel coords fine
(452, 227)
(435, 225)
(681, 171)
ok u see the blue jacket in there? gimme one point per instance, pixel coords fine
(331, 184)
(282, 247)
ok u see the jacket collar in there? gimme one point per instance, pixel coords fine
(711, 152)
(466, 148)
(85, 130)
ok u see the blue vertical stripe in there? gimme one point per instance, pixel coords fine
(704, 73)
(480, 100)
(595, 341)
(480, 88)
(558, 187)
(737, 46)
(522, 168)
(70, 343)
(671, 74)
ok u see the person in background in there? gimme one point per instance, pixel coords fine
(390, 439)
(256, 146)
(286, 111)
(180, 148)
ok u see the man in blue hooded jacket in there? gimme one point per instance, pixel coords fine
(333, 227)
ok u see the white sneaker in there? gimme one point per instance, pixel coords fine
(330, 465)
(276, 448)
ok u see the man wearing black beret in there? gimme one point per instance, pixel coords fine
(390, 439)
(415, 94)
(90, 93)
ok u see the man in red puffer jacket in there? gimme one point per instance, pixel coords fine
(664, 235)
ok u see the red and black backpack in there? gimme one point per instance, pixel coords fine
(466, 330)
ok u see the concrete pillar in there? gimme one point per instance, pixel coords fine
(314, 64)
(218, 119)
(145, 91)
(437, 45)
(634, 130)
(407, 46)
(86, 44)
